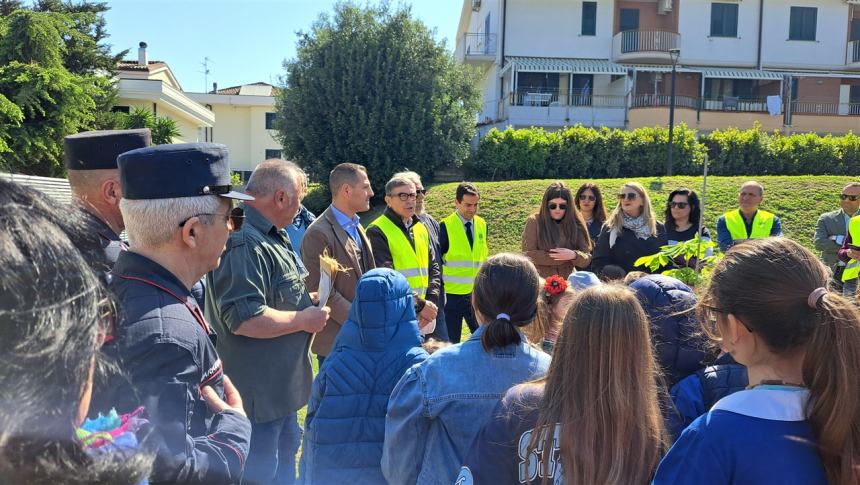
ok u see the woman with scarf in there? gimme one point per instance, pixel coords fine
(629, 233)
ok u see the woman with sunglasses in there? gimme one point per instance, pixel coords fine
(797, 422)
(556, 237)
(630, 232)
(682, 216)
(589, 201)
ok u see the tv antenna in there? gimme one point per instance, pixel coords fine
(205, 73)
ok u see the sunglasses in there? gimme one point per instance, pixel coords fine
(584, 197)
(553, 207)
(628, 196)
(421, 191)
(852, 198)
(679, 205)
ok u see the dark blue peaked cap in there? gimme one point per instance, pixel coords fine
(97, 150)
(180, 170)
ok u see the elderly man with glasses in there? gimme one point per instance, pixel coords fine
(176, 202)
(831, 230)
(400, 241)
(848, 253)
(748, 221)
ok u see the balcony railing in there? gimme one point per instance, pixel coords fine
(824, 108)
(643, 41)
(660, 100)
(479, 44)
(548, 97)
(853, 54)
(748, 104)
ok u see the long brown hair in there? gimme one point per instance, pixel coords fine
(601, 387)
(766, 283)
(599, 213)
(508, 284)
(567, 233)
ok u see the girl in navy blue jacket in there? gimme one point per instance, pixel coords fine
(799, 421)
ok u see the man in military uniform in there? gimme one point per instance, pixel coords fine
(259, 305)
(176, 205)
(94, 177)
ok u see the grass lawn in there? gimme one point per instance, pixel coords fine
(797, 200)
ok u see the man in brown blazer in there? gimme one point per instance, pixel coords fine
(339, 231)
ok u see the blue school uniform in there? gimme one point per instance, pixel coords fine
(753, 436)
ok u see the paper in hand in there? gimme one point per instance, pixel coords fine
(329, 267)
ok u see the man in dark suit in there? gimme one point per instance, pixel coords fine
(830, 233)
(339, 232)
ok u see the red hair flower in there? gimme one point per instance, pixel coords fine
(554, 286)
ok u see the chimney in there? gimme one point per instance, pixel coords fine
(214, 88)
(141, 54)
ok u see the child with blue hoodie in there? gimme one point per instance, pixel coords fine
(345, 424)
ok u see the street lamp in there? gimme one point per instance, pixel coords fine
(674, 54)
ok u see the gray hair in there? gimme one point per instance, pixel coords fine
(756, 184)
(852, 185)
(397, 181)
(273, 175)
(409, 174)
(151, 223)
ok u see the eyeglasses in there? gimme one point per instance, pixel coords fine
(421, 191)
(712, 317)
(405, 196)
(553, 207)
(585, 197)
(628, 196)
(852, 198)
(227, 217)
(679, 205)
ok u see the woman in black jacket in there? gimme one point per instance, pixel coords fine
(629, 233)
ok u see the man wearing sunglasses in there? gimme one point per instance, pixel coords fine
(400, 241)
(748, 221)
(831, 230)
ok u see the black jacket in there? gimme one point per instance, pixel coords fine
(627, 249)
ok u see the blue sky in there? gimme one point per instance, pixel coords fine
(245, 40)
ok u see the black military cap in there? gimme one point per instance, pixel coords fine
(97, 150)
(181, 170)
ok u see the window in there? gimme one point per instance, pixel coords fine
(120, 109)
(273, 154)
(589, 18)
(724, 20)
(802, 23)
(270, 121)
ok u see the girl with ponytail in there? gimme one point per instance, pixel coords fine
(799, 420)
(438, 407)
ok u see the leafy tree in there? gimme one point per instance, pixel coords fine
(163, 129)
(55, 80)
(371, 86)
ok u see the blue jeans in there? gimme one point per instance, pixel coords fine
(272, 458)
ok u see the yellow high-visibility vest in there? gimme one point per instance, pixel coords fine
(461, 262)
(852, 269)
(414, 264)
(761, 225)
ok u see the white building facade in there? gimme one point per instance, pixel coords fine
(555, 63)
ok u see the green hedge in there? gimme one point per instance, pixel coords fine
(607, 153)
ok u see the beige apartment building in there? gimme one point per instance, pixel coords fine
(788, 65)
(240, 117)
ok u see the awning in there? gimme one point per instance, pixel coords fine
(740, 73)
(569, 65)
(659, 68)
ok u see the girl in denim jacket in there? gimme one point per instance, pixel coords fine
(438, 407)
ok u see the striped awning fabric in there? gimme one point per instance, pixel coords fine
(553, 64)
(728, 73)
